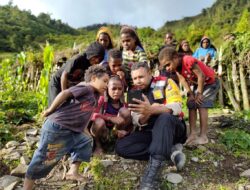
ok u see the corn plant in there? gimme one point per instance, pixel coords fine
(48, 56)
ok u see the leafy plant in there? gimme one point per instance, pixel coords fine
(238, 141)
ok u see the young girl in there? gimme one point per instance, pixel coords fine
(191, 71)
(132, 50)
(104, 37)
(184, 48)
(111, 115)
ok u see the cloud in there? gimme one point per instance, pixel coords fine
(79, 13)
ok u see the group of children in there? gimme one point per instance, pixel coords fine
(97, 106)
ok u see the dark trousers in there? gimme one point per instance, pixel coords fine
(157, 138)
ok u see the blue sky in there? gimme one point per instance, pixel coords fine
(140, 13)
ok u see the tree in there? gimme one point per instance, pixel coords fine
(243, 25)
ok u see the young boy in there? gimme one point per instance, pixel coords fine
(73, 71)
(191, 71)
(115, 67)
(62, 132)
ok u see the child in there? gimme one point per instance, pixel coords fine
(62, 131)
(191, 71)
(73, 71)
(115, 66)
(184, 48)
(104, 37)
(111, 115)
(206, 52)
(132, 50)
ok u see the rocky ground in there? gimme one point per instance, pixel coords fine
(209, 166)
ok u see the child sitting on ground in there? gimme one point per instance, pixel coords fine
(191, 71)
(62, 132)
(112, 115)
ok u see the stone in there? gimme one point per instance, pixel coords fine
(247, 187)
(215, 164)
(194, 159)
(24, 160)
(12, 156)
(32, 132)
(174, 178)
(20, 170)
(246, 173)
(11, 144)
(31, 140)
(202, 148)
(107, 163)
(6, 151)
(8, 182)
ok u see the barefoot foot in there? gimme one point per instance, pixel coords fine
(191, 138)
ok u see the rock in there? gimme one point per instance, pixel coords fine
(6, 151)
(31, 140)
(247, 187)
(24, 160)
(241, 187)
(215, 164)
(202, 148)
(127, 161)
(20, 170)
(246, 173)
(194, 159)
(12, 144)
(21, 149)
(12, 156)
(107, 163)
(32, 132)
(8, 182)
(174, 178)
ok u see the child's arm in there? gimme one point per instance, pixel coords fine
(64, 80)
(60, 98)
(201, 79)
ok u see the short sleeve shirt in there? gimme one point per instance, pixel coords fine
(76, 113)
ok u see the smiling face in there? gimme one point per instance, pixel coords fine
(115, 89)
(141, 77)
(128, 42)
(100, 84)
(104, 40)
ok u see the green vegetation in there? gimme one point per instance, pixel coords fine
(237, 141)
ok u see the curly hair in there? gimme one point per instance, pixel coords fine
(95, 70)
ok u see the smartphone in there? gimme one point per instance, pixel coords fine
(134, 94)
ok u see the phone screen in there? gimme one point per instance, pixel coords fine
(134, 94)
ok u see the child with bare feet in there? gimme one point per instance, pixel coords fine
(191, 71)
(112, 117)
(62, 131)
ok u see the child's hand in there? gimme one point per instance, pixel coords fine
(121, 133)
(121, 74)
(46, 112)
(199, 98)
(116, 120)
